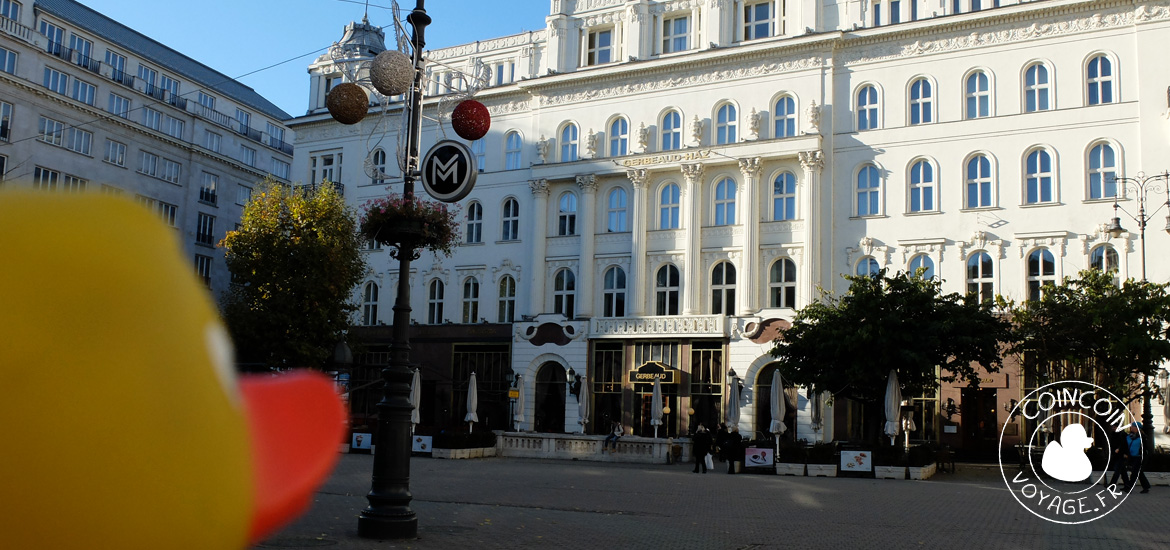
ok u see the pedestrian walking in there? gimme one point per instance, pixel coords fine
(1120, 462)
(701, 448)
(721, 441)
(1134, 444)
(615, 433)
(733, 451)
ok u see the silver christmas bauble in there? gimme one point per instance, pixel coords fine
(392, 73)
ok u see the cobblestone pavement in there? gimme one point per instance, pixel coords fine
(519, 503)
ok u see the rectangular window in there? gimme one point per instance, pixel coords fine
(211, 140)
(675, 34)
(148, 164)
(275, 136)
(119, 106)
(110, 190)
(117, 63)
(173, 127)
(896, 11)
(151, 118)
(168, 213)
(171, 170)
(243, 195)
(203, 268)
(248, 155)
(5, 121)
(56, 36)
(280, 169)
(149, 77)
(84, 50)
(757, 20)
(7, 61)
(205, 230)
(115, 153)
(169, 84)
(57, 81)
(245, 120)
(79, 140)
(45, 179)
(207, 188)
(599, 49)
(207, 101)
(72, 184)
(51, 131)
(10, 9)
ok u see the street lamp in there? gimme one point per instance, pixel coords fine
(389, 515)
(1141, 185)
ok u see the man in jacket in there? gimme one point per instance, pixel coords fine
(1134, 445)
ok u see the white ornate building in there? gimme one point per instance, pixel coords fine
(666, 181)
(90, 105)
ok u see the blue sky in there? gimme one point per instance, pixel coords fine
(240, 36)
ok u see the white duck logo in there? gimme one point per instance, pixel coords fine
(1066, 460)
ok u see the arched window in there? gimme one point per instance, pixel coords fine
(1037, 88)
(614, 293)
(784, 118)
(666, 291)
(723, 289)
(922, 187)
(616, 211)
(564, 293)
(867, 108)
(979, 183)
(1104, 258)
(474, 223)
(868, 266)
(784, 197)
(507, 307)
(981, 276)
(370, 304)
(922, 261)
(1039, 178)
(725, 202)
(510, 229)
(619, 137)
(869, 191)
(435, 303)
(725, 124)
(471, 300)
(569, 143)
(978, 94)
(1102, 171)
(671, 131)
(512, 147)
(1041, 271)
(782, 284)
(921, 102)
(1099, 79)
(567, 215)
(479, 149)
(378, 159)
(668, 205)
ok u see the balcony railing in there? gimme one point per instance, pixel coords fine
(249, 132)
(87, 62)
(60, 50)
(122, 77)
(177, 100)
(280, 145)
(14, 28)
(672, 325)
(154, 91)
(210, 114)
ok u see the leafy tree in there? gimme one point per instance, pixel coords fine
(295, 260)
(848, 345)
(1093, 329)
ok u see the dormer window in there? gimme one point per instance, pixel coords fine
(676, 33)
(759, 19)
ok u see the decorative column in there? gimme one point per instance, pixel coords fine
(636, 282)
(815, 236)
(539, 230)
(694, 231)
(588, 217)
(749, 276)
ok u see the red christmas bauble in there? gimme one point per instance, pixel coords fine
(471, 120)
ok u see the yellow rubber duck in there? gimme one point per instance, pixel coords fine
(123, 424)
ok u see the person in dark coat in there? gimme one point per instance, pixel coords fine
(1120, 460)
(734, 450)
(721, 441)
(701, 447)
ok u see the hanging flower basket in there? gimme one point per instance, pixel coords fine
(411, 222)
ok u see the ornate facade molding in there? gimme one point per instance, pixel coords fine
(811, 161)
(771, 253)
(868, 246)
(692, 172)
(981, 240)
(934, 249)
(436, 272)
(1055, 242)
(583, 92)
(637, 177)
(587, 183)
(538, 187)
(506, 267)
(1015, 31)
(750, 167)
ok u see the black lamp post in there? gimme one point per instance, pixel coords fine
(1142, 186)
(389, 515)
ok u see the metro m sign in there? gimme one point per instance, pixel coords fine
(449, 171)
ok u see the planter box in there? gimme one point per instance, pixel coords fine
(924, 472)
(822, 470)
(889, 472)
(790, 469)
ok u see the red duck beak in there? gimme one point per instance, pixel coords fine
(296, 422)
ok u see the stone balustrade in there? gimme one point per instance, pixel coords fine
(641, 450)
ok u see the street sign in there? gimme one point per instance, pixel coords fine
(448, 171)
(513, 393)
